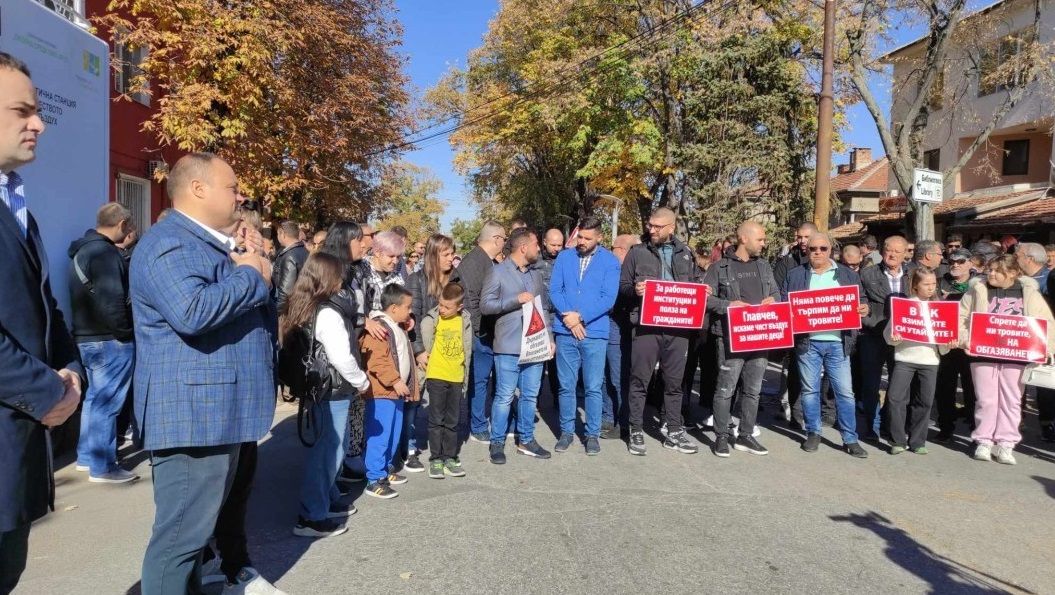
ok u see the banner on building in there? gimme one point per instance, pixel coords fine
(825, 310)
(935, 323)
(1014, 338)
(760, 328)
(673, 304)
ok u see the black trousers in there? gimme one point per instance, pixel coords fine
(701, 356)
(955, 366)
(1045, 405)
(445, 400)
(231, 540)
(14, 548)
(553, 380)
(668, 347)
(904, 402)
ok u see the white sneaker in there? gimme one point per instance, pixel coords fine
(116, 476)
(1002, 454)
(81, 468)
(663, 430)
(983, 452)
(251, 583)
(211, 573)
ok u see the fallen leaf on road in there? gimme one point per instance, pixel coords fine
(69, 508)
(406, 575)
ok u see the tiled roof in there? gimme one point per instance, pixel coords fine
(962, 204)
(1035, 212)
(870, 178)
(847, 230)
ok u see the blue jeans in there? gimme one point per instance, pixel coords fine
(408, 441)
(483, 362)
(190, 486)
(109, 367)
(587, 355)
(509, 376)
(318, 488)
(382, 424)
(828, 357)
(613, 406)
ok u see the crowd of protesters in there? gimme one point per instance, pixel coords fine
(180, 334)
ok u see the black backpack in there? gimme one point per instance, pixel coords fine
(305, 369)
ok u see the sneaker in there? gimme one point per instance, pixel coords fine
(812, 443)
(533, 449)
(1002, 455)
(211, 573)
(637, 443)
(593, 446)
(341, 511)
(498, 454)
(396, 479)
(481, 437)
(436, 469)
(379, 489)
(1047, 432)
(721, 446)
(708, 423)
(413, 465)
(748, 444)
(81, 468)
(681, 442)
(323, 528)
(453, 467)
(249, 581)
(663, 429)
(116, 476)
(920, 450)
(609, 431)
(565, 442)
(983, 452)
(854, 450)
(896, 449)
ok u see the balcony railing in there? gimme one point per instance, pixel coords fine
(72, 10)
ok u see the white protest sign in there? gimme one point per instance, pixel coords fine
(535, 341)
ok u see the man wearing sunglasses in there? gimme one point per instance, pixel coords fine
(880, 284)
(826, 353)
(955, 366)
(664, 257)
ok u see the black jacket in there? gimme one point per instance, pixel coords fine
(798, 279)
(793, 259)
(642, 264)
(284, 273)
(725, 288)
(471, 274)
(421, 303)
(98, 281)
(34, 342)
(877, 293)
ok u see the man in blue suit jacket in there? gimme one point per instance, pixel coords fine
(204, 378)
(41, 374)
(583, 289)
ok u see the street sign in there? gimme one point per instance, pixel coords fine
(927, 185)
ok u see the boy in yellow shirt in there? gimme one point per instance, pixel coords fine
(448, 338)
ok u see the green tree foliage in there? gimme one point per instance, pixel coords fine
(408, 194)
(465, 233)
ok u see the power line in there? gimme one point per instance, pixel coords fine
(657, 33)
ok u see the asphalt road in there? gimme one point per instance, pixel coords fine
(789, 522)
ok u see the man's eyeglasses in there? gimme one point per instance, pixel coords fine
(500, 237)
(657, 225)
(958, 261)
(820, 248)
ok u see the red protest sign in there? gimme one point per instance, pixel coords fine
(759, 328)
(673, 304)
(1015, 338)
(823, 310)
(935, 323)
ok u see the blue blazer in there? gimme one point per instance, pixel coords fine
(205, 341)
(34, 342)
(593, 297)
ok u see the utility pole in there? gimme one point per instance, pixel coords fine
(822, 184)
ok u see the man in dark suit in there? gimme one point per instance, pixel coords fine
(41, 375)
(204, 379)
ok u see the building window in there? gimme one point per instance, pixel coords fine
(932, 159)
(128, 61)
(134, 194)
(1016, 157)
(993, 76)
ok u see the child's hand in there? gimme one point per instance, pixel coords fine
(401, 388)
(423, 359)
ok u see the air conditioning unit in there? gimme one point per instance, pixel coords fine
(157, 166)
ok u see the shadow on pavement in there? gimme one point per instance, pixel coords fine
(1048, 483)
(942, 574)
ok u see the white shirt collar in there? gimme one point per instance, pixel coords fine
(223, 238)
(900, 273)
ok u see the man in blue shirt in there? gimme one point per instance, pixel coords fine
(583, 288)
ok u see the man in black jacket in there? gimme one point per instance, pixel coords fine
(471, 274)
(288, 262)
(102, 327)
(667, 258)
(552, 244)
(880, 282)
(796, 257)
(40, 379)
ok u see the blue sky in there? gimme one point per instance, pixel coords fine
(438, 34)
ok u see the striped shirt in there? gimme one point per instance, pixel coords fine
(13, 194)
